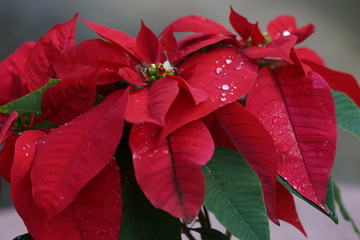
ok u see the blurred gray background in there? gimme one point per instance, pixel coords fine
(336, 38)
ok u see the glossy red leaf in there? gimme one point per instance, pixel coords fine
(7, 151)
(13, 82)
(191, 44)
(93, 57)
(286, 25)
(225, 74)
(279, 48)
(247, 31)
(169, 172)
(152, 104)
(131, 76)
(147, 44)
(197, 24)
(68, 99)
(338, 81)
(254, 142)
(298, 111)
(285, 207)
(71, 155)
(84, 217)
(55, 42)
(168, 44)
(6, 127)
(123, 40)
(308, 54)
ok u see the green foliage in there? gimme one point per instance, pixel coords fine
(330, 200)
(347, 113)
(30, 103)
(26, 236)
(234, 196)
(142, 221)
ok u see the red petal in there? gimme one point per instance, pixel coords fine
(279, 48)
(255, 143)
(71, 155)
(68, 99)
(197, 24)
(310, 55)
(246, 29)
(285, 207)
(152, 104)
(224, 74)
(6, 129)
(7, 150)
(13, 83)
(191, 44)
(55, 42)
(299, 113)
(168, 44)
(170, 173)
(131, 76)
(123, 40)
(285, 25)
(93, 57)
(147, 44)
(339, 81)
(84, 218)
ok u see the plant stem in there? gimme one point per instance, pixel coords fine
(186, 231)
(204, 219)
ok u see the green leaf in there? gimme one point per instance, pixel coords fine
(26, 236)
(330, 200)
(210, 234)
(234, 196)
(343, 211)
(347, 113)
(142, 221)
(30, 103)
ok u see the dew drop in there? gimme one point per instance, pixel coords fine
(223, 99)
(218, 70)
(225, 87)
(286, 33)
(228, 61)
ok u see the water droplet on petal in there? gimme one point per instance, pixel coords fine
(223, 99)
(286, 33)
(225, 87)
(228, 61)
(218, 70)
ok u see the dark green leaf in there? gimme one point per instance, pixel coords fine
(141, 221)
(210, 234)
(343, 211)
(30, 103)
(347, 113)
(234, 195)
(330, 200)
(24, 237)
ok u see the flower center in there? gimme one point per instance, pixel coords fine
(154, 72)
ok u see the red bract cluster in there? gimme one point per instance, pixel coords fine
(77, 121)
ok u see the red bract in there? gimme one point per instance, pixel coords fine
(84, 217)
(285, 25)
(55, 42)
(68, 99)
(68, 157)
(169, 172)
(13, 82)
(298, 111)
(252, 140)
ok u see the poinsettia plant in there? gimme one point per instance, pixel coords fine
(139, 138)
